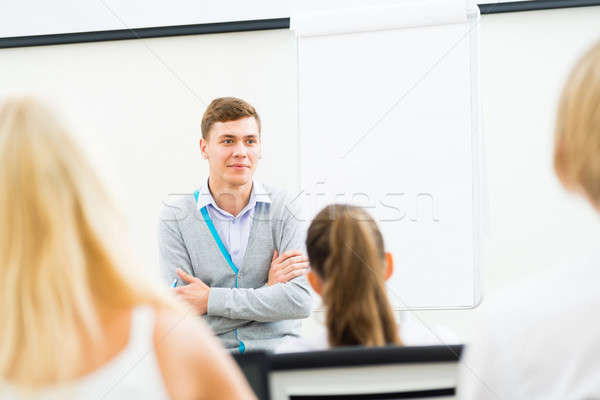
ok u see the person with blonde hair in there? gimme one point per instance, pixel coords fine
(73, 323)
(541, 339)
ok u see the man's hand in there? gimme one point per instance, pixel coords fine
(287, 266)
(195, 292)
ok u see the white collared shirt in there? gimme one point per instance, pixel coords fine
(234, 231)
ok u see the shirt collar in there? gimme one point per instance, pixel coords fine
(258, 195)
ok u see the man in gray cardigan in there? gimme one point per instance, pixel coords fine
(233, 248)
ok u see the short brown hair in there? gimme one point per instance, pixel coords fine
(577, 135)
(226, 109)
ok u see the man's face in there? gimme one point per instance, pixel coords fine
(233, 149)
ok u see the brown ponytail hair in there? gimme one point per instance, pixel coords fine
(345, 249)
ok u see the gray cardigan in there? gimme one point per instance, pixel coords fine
(253, 315)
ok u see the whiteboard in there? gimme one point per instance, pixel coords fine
(389, 121)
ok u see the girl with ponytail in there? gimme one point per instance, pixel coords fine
(349, 267)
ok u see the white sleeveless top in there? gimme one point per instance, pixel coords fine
(131, 374)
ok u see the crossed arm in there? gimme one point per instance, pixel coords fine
(263, 304)
(285, 296)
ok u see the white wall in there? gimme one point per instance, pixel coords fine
(136, 108)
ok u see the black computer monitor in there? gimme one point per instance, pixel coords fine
(254, 365)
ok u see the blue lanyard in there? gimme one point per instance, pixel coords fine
(226, 255)
(215, 234)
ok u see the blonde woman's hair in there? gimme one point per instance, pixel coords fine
(577, 134)
(345, 249)
(57, 271)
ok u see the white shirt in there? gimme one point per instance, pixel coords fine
(539, 340)
(234, 231)
(132, 374)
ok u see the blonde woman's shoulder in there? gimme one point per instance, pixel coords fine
(193, 362)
